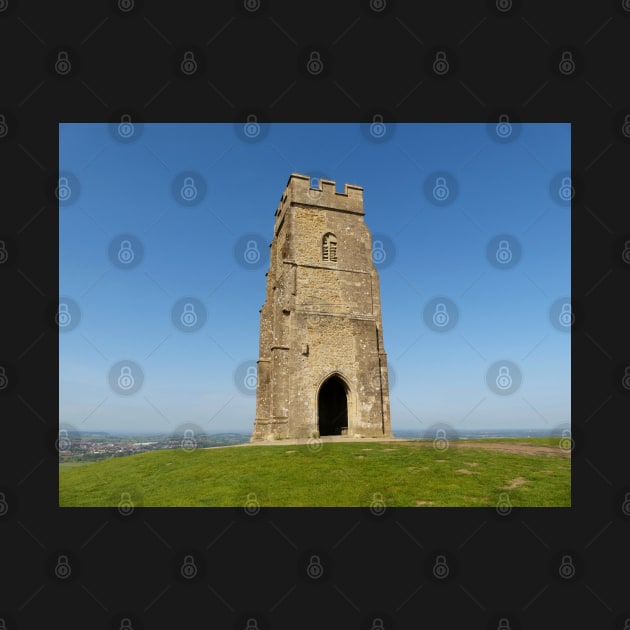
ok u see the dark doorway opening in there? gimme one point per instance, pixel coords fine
(332, 405)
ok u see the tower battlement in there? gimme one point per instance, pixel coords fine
(299, 192)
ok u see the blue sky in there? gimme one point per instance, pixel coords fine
(473, 230)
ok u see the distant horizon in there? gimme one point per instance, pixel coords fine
(555, 430)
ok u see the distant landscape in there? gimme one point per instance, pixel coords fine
(90, 446)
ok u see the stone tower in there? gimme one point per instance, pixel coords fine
(322, 368)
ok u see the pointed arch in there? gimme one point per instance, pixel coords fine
(332, 406)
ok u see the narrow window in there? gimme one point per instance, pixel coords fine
(329, 247)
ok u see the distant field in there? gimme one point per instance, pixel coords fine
(480, 473)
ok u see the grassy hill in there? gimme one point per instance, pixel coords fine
(345, 474)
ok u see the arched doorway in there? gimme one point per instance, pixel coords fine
(332, 407)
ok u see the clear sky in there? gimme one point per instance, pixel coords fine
(164, 234)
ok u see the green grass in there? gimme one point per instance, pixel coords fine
(348, 474)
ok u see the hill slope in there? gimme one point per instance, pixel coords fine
(352, 474)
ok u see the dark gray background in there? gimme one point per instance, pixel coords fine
(377, 58)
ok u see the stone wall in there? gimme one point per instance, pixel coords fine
(320, 317)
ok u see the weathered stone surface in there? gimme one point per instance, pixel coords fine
(322, 367)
